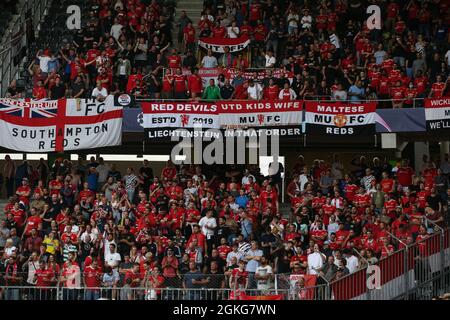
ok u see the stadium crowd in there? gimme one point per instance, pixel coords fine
(89, 225)
(127, 46)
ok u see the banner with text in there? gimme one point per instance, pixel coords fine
(437, 115)
(218, 45)
(343, 122)
(59, 125)
(234, 118)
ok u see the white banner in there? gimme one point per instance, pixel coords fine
(59, 125)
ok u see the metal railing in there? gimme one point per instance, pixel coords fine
(18, 39)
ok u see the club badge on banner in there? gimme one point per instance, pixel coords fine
(59, 125)
(437, 115)
(344, 122)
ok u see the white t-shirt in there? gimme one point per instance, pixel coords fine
(270, 61)
(113, 259)
(447, 55)
(210, 222)
(315, 262)
(352, 263)
(116, 31)
(43, 63)
(103, 92)
(263, 271)
(293, 19)
(254, 92)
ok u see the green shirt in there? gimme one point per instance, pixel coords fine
(212, 93)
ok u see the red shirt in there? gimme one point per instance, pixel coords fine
(219, 32)
(179, 83)
(246, 30)
(437, 89)
(420, 83)
(92, 276)
(397, 93)
(55, 186)
(260, 32)
(383, 87)
(271, 92)
(32, 223)
(386, 185)
(404, 176)
(392, 10)
(321, 22)
(43, 277)
(18, 216)
(195, 84)
(223, 251)
(39, 93)
(167, 83)
(422, 198)
(350, 190)
(174, 61)
(169, 173)
(189, 34)
(255, 12)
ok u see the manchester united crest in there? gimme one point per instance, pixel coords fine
(340, 120)
(184, 120)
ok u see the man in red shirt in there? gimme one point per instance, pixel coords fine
(194, 84)
(55, 185)
(405, 174)
(174, 60)
(189, 37)
(437, 88)
(34, 221)
(254, 12)
(179, 85)
(24, 192)
(92, 280)
(260, 32)
(397, 93)
(387, 184)
(39, 91)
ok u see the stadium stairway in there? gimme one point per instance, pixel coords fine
(193, 10)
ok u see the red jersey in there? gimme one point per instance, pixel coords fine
(174, 61)
(195, 84)
(169, 173)
(189, 34)
(397, 93)
(39, 93)
(55, 186)
(271, 92)
(223, 251)
(92, 277)
(386, 185)
(350, 190)
(437, 89)
(383, 86)
(420, 83)
(179, 83)
(404, 176)
(44, 277)
(32, 223)
(255, 12)
(260, 32)
(321, 22)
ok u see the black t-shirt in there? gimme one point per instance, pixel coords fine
(215, 280)
(433, 201)
(58, 92)
(76, 88)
